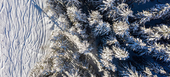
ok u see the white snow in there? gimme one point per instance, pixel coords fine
(24, 31)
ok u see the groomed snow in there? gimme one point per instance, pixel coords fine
(24, 31)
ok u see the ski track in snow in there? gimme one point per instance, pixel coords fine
(23, 35)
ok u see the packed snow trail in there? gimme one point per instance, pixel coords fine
(23, 36)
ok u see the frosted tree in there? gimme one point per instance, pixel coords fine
(136, 45)
(161, 52)
(140, 1)
(65, 3)
(73, 2)
(163, 31)
(152, 35)
(121, 28)
(79, 21)
(54, 7)
(62, 22)
(66, 53)
(112, 40)
(94, 18)
(121, 54)
(105, 41)
(107, 5)
(83, 46)
(116, 13)
(156, 68)
(101, 29)
(156, 12)
(98, 27)
(131, 72)
(124, 12)
(76, 15)
(107, 56)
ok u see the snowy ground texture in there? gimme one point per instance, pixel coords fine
(23, 32)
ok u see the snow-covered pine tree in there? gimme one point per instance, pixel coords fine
(105, 43)
(115, 11)
(136, 45)
(155, 34)
(106, 59)
(140, 1)
(121, 28)
(128, 70)
(63, 22)
(163, 30)
(156, 12)
(77, 3)
(79, 20)
(101, 29)
(98, 27)
(65, 55)
(94, 18)
(76, 16)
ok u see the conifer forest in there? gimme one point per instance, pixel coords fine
(107, 38)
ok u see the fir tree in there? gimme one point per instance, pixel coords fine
(107, 41)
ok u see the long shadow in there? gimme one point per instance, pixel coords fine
(37, 7)
(42, 11)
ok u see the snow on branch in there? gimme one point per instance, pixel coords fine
(121, 54)
(124, 12)
(156, 12)
(83, 46)
(156, 33)
(73, 2)
(106, 59)
(136, 45)
(94, 18)
(141, 1)
(98, 27)
(75, 14)
(121, 28)
(101, 29)
(130, 71)
(113, 41)
(163, 31)
(107, 56)
(63, 22)
(117, 13)
(161, 52)
(153, 49)
(79, 21)
(96, 42)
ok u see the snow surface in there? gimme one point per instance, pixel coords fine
(24, 31)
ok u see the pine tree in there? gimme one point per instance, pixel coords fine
(107, 41)
(156, 12)
(116, 12)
